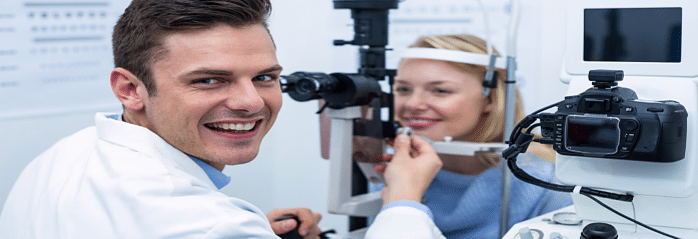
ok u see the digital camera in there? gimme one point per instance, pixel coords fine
(607, 121)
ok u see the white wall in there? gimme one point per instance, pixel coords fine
(551, 46)
(289, 171)
(23, 139)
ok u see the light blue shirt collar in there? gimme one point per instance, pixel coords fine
(217, 177)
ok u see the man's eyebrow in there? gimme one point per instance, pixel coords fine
(230, 73)
(210, 72)
(271, 69)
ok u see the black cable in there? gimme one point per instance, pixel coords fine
(532, 127)
(547, 107)
(630, 219)
(528, 120)
(524, 123)
(521, 144)
(523, 176)
(322, 108)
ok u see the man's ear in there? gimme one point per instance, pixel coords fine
(125, 86)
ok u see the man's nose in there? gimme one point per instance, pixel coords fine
(244, 96)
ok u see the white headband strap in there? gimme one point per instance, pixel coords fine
(451, 55)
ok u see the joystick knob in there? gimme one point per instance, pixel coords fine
(599, 230)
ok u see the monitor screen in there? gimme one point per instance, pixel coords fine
(633, 34)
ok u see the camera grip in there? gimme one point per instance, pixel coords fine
(649, 136)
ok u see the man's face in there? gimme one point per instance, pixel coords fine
(218, 93)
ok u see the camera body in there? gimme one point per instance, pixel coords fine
(611, 122)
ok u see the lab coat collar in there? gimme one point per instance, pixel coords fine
(144, 141)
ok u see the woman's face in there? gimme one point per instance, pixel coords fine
(436, 99)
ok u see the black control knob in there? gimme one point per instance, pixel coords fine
(599, 230)
(293, 234)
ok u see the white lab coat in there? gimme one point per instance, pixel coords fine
(119, 180)
(403, 223)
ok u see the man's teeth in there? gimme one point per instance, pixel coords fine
(239, 126)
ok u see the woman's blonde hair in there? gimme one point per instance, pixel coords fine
(493, 128)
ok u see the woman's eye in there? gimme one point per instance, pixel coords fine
(442, 91)
(401, 89)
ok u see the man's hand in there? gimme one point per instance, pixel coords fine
(412, 168)
(308, 219)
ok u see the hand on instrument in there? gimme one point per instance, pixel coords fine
(309, 220)
(410, 171)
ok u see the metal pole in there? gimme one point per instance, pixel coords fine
(510, 114)
(508, 127)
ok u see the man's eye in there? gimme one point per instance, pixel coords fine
(263, 78)
(206, 81)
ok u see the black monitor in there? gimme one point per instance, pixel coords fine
(633, 34)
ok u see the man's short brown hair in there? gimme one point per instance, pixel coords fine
(137, 37)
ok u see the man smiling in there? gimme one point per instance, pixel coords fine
(216, 95)
(199, 82)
